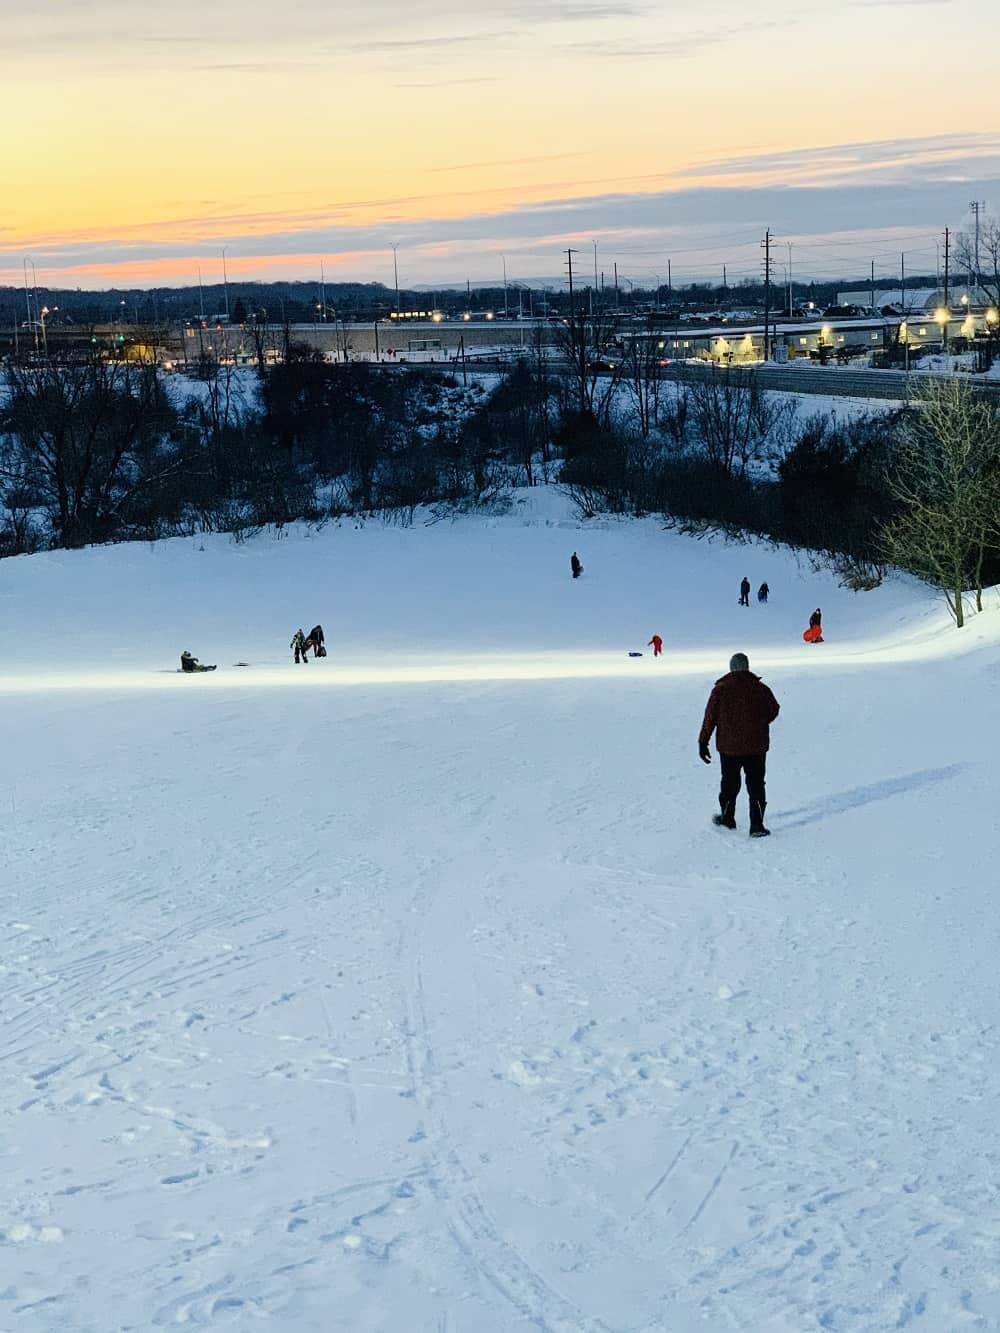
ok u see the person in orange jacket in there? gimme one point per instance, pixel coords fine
(656, 643)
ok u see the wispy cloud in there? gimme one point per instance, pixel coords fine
(447, 83)
(505, 162)
(913, 155)
(441, 40)
(671, 48)
(836, 229)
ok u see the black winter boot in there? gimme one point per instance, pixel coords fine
(727, 819)
(757, 829)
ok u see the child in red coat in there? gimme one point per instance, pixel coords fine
(657, 645)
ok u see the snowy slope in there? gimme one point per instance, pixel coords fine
(412, 990)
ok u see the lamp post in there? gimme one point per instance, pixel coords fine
(991, 319)
(32, 322)
(395, 273)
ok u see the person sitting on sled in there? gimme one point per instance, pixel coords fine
(814, 634)
(189, 663)
(316, 641)
(298, 643)
(656, 643)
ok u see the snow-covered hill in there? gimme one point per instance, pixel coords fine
(413, 990)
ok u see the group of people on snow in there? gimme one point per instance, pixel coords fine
(300, 645)
(763, 592)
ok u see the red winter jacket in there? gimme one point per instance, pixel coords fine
(740, 711)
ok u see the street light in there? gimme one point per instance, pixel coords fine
(42, 313)
(395, 272)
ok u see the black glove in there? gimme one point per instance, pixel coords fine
(704, 754)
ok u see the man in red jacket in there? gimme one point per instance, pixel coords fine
(740, 711)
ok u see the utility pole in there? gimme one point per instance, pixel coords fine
(670, 281)
(322, 293)
(504, 258)
(902, 282)
(725, 282)
(582, 350)
(616, 285)
(789, 244)
(947, 312)
(225, 281)
(872, 300)
(596, 288)
(766, 246)
(27, 302)
(395, 272)
(977, 206)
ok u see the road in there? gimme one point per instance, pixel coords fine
(843, 381)
(839, 381)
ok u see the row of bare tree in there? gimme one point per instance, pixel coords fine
(102, 452)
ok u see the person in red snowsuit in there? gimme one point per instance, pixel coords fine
(657, 645)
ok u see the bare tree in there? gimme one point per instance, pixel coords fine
(594, 364)
(88, 441)
(983, 267)
(642, 378)
(948, 483)
(734, 419)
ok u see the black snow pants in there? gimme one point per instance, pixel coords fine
(753, 765)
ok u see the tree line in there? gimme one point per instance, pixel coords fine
(103, 452)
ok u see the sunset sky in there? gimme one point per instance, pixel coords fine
(139, 140)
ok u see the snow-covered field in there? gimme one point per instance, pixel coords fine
(412, 991)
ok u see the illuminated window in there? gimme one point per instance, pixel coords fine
(840, 337)
(874, 337)
(803, 342)
(922, 332)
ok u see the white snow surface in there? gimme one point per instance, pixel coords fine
(413, 990)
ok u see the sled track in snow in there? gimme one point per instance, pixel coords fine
(468, 1219)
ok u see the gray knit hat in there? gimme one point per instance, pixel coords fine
(739, 662)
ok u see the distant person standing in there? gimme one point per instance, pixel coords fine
(575, 566)
(762, 593)
(745, 592)
(740, 711)
(316, 640)
(656, 643)
(298, 644)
